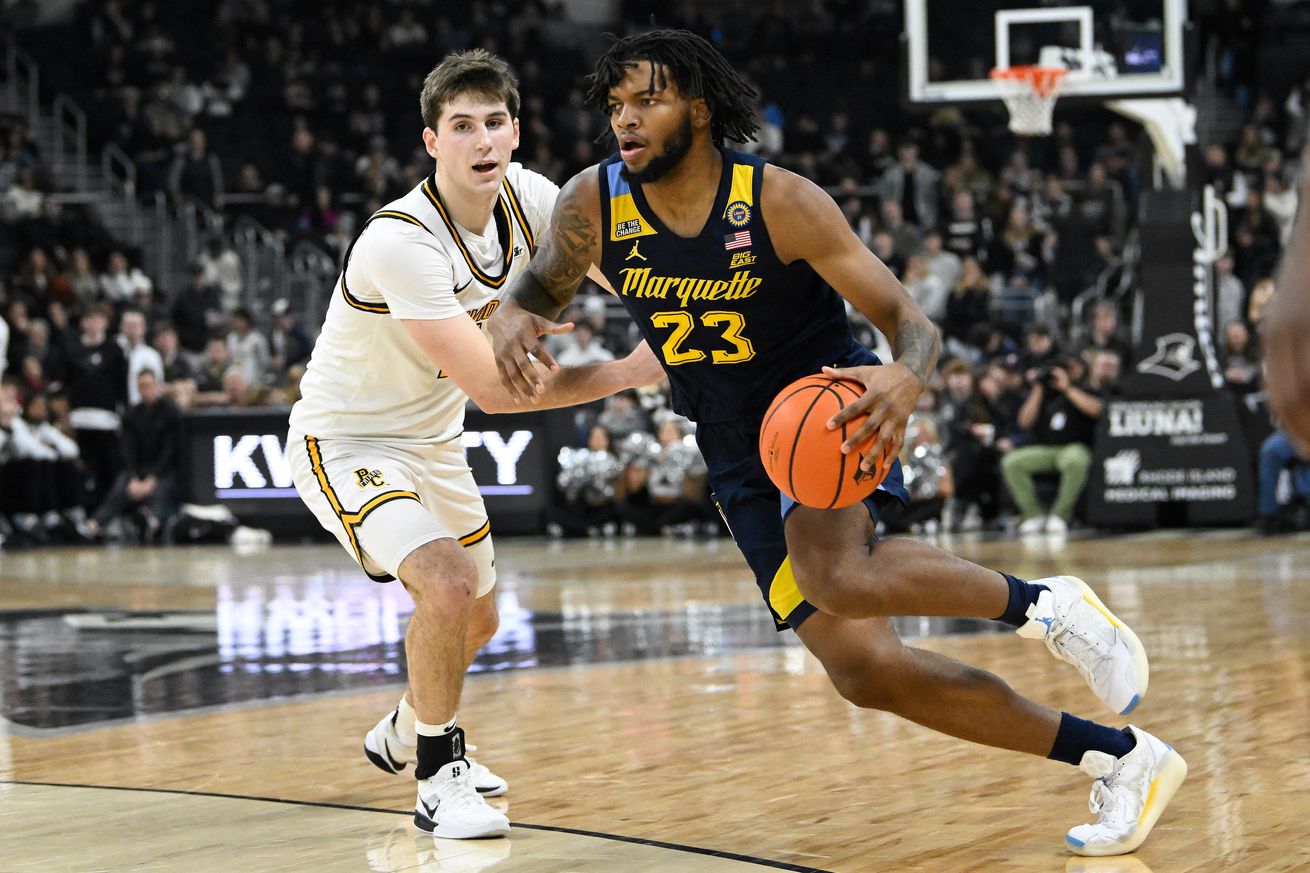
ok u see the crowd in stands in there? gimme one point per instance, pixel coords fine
(303, 117)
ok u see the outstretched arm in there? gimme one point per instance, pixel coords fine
(537, 296)
(806, 224)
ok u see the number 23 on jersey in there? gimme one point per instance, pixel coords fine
(681, 323)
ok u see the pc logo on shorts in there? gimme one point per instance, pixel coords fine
(738, 213)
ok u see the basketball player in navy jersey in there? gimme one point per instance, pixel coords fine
(732, 268)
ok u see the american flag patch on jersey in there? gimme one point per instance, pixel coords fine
(739, 240)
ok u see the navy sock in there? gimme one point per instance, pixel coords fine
(1078, 735)
(1022, 595)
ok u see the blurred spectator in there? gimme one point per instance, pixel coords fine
(1280, 452)
(1256, 238)
(591, 483)
(221, 266)
(1229, 292)
(964, 231)
(1017, 249)
(1280, 200)
(929, 480)
(176, 366)
(1017, 175)
(82, 278)
(1103, 332)
(94, 373)
(665, 486)
(1040, 348)
(290, 343)
(622, 416)
(968, 304)
(1061, 410)
(913, 184)
(196, 173)
(209, 376)
(248, 349)
(40, 476)
(945, 265)
(905, 236)
(884, 247)
(23, 200)
(238, 392)
(925, 287)
(152, 451)
(197, 312)
(968, 434)
(584, 349)
(119, 283)
(140, 355)
(1240, 359)
(1102, 203)
(1258, 302)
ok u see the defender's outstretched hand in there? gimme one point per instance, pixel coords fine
(645, 365)
(890, 392)
(515, 337)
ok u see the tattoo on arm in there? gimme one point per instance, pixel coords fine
(916, 346)
(564, 258)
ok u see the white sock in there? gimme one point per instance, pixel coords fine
(433, 730)
(405, 723)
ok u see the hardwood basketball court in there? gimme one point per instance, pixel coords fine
(202, 709)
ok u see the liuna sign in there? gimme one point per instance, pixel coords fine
(1172, 462)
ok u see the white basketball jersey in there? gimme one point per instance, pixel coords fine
(367, 379)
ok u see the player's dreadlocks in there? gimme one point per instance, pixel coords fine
(694, 65)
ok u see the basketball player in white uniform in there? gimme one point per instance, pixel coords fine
(376, 440)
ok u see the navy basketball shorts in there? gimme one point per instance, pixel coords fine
(756, 511)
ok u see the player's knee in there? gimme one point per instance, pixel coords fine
(868, 687)
(438, 575)
(844, 588)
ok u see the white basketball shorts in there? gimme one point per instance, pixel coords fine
(382, 500)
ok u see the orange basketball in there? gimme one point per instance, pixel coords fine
(804, 458)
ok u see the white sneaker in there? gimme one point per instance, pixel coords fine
(449, 806)
(1034, 525)
(1128, 796)
(1077, 628)
(1056, 525)
(389, 754)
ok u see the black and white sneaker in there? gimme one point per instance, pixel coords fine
(385, 750)
(449, 806)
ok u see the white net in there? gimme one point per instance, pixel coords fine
(1030, 94)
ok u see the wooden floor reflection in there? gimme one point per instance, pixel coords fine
(737, 745)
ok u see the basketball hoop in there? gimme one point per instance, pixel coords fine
(1029, 93)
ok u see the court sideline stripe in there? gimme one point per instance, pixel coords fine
(660, 844)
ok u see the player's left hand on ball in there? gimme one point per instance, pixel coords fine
(890, 392)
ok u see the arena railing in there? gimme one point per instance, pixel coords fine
(69, 129)
(22, 83)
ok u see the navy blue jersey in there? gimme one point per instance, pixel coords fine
(732, 323)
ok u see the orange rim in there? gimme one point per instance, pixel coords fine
(1043, 80)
